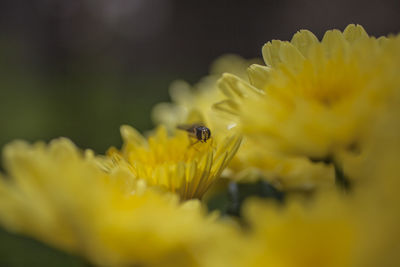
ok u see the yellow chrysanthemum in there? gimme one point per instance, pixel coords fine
(297, 235)
(255, 161)
(194, 103)
(56, 194)
(357, 229)
(313, 99)
(378, 197)
(360, 229)
(178, 163)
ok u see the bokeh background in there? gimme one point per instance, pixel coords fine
(82, 68)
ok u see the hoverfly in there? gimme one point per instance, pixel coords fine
(198, 131)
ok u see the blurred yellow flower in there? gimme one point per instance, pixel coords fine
(56, 194)
(177, 162)
(378, 197)
(312, 100)
(286, 172)
(299, 234)
(335, 229)
(194, 103)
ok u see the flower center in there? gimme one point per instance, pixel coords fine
(162, 149)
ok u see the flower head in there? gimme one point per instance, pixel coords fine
(193, 104)
(314, 99)
(58, 195)
(357, 229)
(178, 163)
(319, 234)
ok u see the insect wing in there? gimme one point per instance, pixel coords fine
(195, 117)
(186, 127)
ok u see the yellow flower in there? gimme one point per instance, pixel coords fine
(356, 229)
(317, 234)
(194, 103)
(57, 194)
(178, 163)
(286, 172)
(313, 99)
(378, 197)
(360, 229)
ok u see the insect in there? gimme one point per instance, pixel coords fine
(198, 131)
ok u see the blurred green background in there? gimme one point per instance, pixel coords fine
(82, 68)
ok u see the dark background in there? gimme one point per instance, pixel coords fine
(82, 68)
